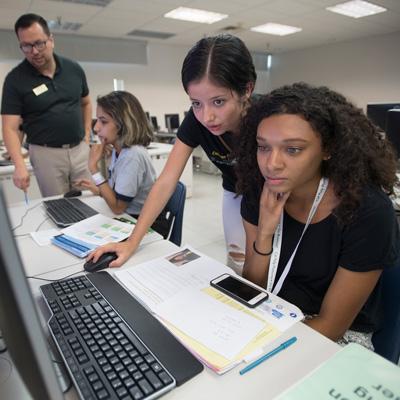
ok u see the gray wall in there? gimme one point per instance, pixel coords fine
(365, 70)
(83, 48)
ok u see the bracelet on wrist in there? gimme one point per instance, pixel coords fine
(98, 179)
(259, 252)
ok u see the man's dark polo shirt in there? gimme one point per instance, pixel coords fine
(53, 117)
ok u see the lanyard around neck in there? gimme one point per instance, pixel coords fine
(277, 243)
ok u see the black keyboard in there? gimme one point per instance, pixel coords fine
(106, 358)
(65, 212)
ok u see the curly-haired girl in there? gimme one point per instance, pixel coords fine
(315, 175)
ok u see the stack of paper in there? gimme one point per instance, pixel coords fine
(84, 236)
(217, 329)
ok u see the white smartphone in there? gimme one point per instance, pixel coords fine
(239, 289)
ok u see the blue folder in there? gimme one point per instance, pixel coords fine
(75, 246)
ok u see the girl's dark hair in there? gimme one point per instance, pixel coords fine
(27, 20)
(128, 115)
(359, 154)
(224, 59)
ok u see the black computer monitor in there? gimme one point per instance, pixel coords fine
(154, 124)
(376, 112)
(172, 122)
(19, 320)
(393, 129)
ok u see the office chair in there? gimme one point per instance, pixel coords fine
(174, 210)
(387, 340)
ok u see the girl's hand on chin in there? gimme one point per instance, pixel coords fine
(271, 207)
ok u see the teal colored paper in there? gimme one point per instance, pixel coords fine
(351, 374)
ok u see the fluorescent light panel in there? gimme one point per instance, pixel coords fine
(195, 15)
(356, 9)
(276, 29)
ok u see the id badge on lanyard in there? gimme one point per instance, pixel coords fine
(277, 243)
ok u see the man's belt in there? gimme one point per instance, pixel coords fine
(59, 146)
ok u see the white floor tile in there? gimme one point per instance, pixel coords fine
(202, 221)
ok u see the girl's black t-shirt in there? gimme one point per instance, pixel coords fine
(193, 134)
(370, 242)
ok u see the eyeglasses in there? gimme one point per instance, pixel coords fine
(39, 46)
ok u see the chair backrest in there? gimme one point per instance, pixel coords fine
(175, 208)
(387, 340)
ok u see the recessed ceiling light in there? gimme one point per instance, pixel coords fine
(276, 29)
(356, 9)
(195, 15)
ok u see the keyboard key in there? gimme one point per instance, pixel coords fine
(123, 374)
(121, 392)
(144, 367)
(97, 386)
(137, 376)
(153, 379)
(116, 383)
(165, 378)
(145, 386)
(103, 394)
(136, 392)
(129, 382)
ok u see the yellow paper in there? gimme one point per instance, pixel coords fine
(214, 360)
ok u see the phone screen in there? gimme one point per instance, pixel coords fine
(240, 289)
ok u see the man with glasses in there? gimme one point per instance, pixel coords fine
(50, 96)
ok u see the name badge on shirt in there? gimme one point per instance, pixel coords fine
(38, 90)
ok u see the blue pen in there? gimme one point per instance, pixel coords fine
(26, 198)
(281, 347)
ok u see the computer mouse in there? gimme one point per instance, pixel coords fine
(102, 263)
(73, 193)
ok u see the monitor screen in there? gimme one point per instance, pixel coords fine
(377, 113)
(172, 122)
(154, 123)
(393, 129)
(19, 321)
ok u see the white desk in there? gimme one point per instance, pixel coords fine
(12, 193)
(265, 381)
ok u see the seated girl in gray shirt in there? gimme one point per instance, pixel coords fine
(121, 123)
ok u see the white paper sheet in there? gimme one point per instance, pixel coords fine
(158, 280)
(221, 328)
(99, 230)
(42, 238)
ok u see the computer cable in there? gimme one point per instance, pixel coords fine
(23, 217)
(59, 279)
(55, 280)
(38, 227)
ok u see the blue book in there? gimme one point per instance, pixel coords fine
(75, 246)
